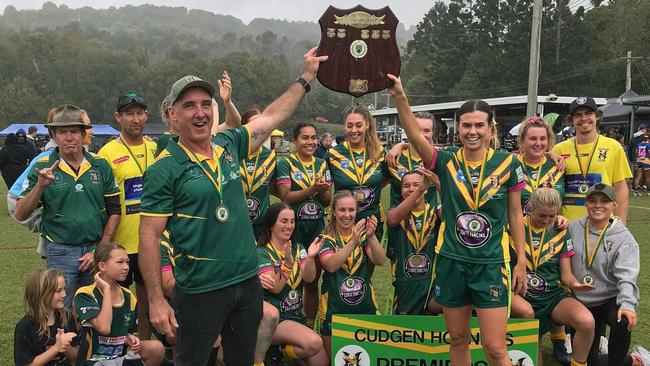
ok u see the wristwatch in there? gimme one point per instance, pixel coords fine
(304, 83)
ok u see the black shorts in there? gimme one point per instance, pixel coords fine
(134, 274)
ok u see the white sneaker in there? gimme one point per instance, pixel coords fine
(603, 346)
(642, 354)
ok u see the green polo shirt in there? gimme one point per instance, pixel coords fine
(208, 254)
(74, 210)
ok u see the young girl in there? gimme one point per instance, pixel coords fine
(110, 311)
(548, 261)
(304, 182)
(480, 195)
(284, 267)
(44, 335)
(346, 252)
(411, 245)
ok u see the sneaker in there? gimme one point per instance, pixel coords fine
(603, 346)
(567, 344)
(560, 352)
(635, 193)
(642, 354)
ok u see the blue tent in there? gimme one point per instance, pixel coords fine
(98, 130)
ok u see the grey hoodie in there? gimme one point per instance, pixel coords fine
(615, 268)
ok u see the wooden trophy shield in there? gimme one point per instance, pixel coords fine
(362, 49)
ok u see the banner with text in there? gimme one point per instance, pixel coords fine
(401, 340)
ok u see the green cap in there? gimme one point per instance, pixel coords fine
(187, 82)
(608, 191)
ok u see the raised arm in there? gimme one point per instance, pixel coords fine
(283, 108)
(233, 118)
(409, 123)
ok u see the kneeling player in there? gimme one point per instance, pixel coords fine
(548, 252)
(411, 246)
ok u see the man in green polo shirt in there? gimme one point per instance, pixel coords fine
(80, 199)
(194, 191)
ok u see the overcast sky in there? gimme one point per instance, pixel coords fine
(409, 12)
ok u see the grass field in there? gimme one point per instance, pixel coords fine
(18, 258)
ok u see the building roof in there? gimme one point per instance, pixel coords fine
(518, 99)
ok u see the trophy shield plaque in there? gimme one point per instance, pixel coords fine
(362, 49)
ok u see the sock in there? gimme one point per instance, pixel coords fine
(289, 352)
(258, 364)
(576, 363)
(559, 336)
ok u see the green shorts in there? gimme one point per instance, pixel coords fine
(459, 284)
(411, 297)
(543, 306)
(307, 230)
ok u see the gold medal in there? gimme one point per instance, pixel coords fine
(534, 282)
(588, 280)
(222, 213)
(583, 188)
(359, 195)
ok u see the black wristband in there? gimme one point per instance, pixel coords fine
(304, 83)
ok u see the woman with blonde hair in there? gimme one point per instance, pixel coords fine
(357, 165)
(548, 263)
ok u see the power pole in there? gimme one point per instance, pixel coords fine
(533, 68)
(628, 76)
(558, 14)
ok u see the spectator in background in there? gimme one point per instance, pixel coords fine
(324, 145)
(14, 158)
(22, 139)
(32, 138)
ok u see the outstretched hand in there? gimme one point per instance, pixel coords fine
(396, 90)
(225, 87)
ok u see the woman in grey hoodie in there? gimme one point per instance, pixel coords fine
(607, 258)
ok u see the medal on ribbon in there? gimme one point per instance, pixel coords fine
(584, 186)
(590, 254)
(221, 213)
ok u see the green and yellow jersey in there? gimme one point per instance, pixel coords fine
(542, 174)
(310, 213)
(128, 164)
(74, 210)
(258, 170)
(544, 248)
(353, 170)
(289, 300)
(348, 290)
(207, 217)
(407, 162)
(87, 302)
(474, 205)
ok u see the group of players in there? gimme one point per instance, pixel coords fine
(190, 221)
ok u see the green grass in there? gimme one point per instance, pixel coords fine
(18, 258)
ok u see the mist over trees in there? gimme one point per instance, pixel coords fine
(461, 49)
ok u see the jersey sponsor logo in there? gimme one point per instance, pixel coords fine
(111, 341)
(291, 302)
(460, 177)
(297, 176)
(520, 174)
(345, 164)
(58, 178)
(121, 159)
(133, 188)
(536, 284)
(359, 161)
(85, 309)
(417, 265)
(401, 172)
(573, 182)
(352, 290)
(569, 245)
(310, 210)
(602, 154)
(79, 187)
(565, 156)
(472, 229)
(254, 206)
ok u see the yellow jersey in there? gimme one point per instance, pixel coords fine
(602, 161)
(128, 164)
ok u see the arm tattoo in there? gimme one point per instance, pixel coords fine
(259, 136)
